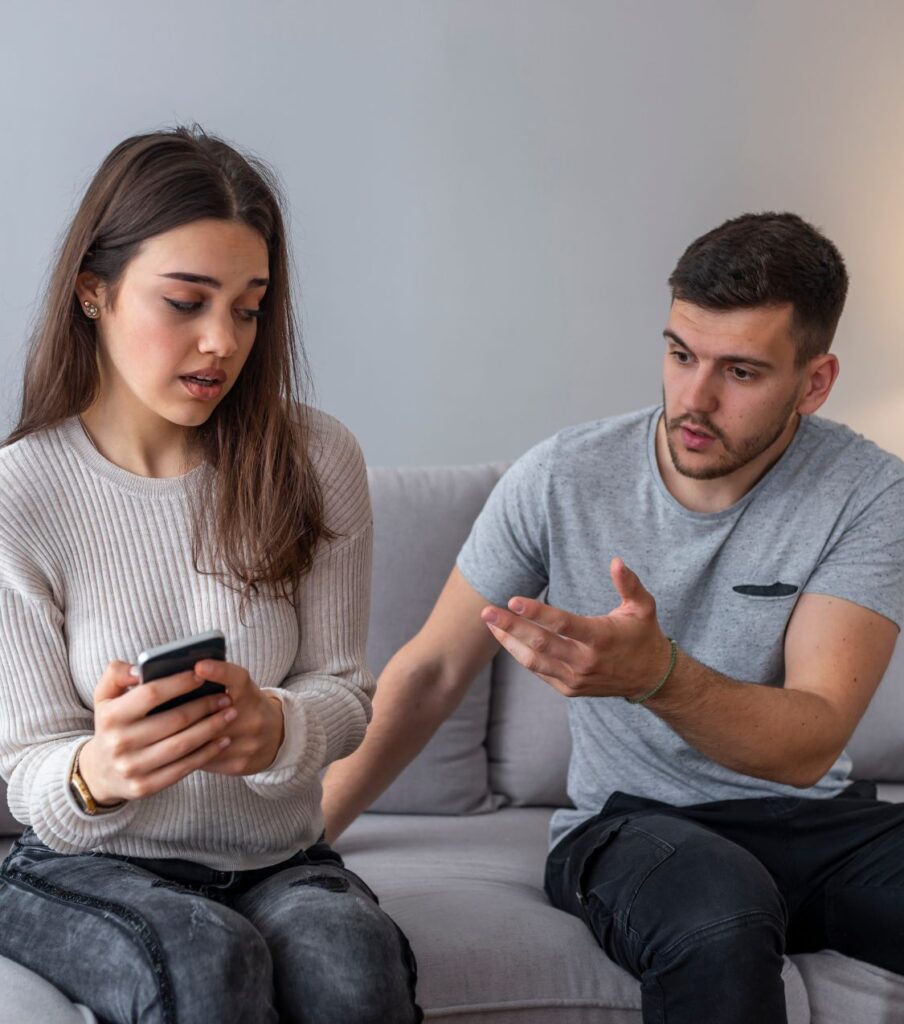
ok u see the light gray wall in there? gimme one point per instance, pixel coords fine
(487, 195)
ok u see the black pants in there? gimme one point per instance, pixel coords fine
(700, 903)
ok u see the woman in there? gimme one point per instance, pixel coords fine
(163, 481)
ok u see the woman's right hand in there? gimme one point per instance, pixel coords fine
(131, 755)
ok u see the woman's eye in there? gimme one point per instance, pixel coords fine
(184, 307)
(251, 314)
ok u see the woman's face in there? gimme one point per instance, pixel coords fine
(182, 323)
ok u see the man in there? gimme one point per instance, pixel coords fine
(754, 593)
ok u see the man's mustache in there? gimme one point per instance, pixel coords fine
(701, 421)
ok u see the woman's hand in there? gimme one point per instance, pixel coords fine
(132, 756)
(258, 730)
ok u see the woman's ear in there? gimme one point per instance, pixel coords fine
(820, 376)
(90, 288)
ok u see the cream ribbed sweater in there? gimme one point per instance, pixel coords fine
(95, 565)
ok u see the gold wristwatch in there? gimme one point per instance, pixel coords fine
(83, 795)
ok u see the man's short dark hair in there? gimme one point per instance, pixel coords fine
(768, 259)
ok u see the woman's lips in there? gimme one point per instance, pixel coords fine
(205, 392)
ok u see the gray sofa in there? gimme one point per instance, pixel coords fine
(456, 847)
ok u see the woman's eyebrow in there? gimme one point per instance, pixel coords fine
(179, 275)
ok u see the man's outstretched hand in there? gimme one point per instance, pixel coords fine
(622, 654)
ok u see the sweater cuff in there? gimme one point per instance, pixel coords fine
(295, 766)
(59, 820)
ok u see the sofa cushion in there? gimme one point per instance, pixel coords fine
(8, 824)
(491, 949)
(29, 999)
(844, 991)
(421, 518)
(528, 742)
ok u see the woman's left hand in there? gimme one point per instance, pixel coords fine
(258, 730)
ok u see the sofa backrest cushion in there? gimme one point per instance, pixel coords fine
(421, 519)
(8, 824)
(528, 741)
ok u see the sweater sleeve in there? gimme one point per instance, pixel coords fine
(326, 697)
(43, 723)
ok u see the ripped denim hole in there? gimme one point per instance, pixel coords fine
(333, 883)
(165, 883)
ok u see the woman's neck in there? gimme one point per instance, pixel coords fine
(145, 445)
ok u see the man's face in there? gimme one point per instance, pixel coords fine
(730, 386)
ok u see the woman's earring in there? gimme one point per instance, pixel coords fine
(91, 310)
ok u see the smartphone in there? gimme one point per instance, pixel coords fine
(181, 656)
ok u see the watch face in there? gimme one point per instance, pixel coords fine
(81, 793)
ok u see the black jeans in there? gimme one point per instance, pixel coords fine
(700, 903)
(144, 941)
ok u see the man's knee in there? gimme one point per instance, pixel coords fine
(658, 882)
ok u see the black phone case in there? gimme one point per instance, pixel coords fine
(182, 661)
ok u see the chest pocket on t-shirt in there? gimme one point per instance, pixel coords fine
(757, 613)
(777, 589)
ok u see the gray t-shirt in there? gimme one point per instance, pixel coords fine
(828, 518)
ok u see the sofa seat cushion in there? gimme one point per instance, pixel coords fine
(29, 999)
(844, 991)
(468, 893)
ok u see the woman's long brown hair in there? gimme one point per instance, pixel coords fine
(259, 516)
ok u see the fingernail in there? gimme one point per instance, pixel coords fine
(223, 702)
(230, 715)
(224, 742)
(133, 671)
(516, 606)
(490, 616)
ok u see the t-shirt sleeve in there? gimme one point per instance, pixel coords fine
(864, 562)
(507, 551)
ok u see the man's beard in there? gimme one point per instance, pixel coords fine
(735, 456)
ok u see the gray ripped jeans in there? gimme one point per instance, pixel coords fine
(172, 942)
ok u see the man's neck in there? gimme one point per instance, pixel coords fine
(724, 491)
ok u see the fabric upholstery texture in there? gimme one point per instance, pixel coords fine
(528, 741)
(846, 991)
(468, 893)
(29, 999)
(877, 746)
(422, 517)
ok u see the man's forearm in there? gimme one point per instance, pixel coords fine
(784, 735)
(411, 702)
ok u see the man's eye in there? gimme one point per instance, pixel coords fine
(184, 307)
(682, 357)
(741, 374)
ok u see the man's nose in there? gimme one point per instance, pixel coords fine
(702, 395)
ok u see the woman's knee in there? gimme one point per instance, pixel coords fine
(219, 967)
(345, 958)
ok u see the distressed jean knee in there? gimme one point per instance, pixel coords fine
(221, 967)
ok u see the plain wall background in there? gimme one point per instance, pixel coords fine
(487, 195)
